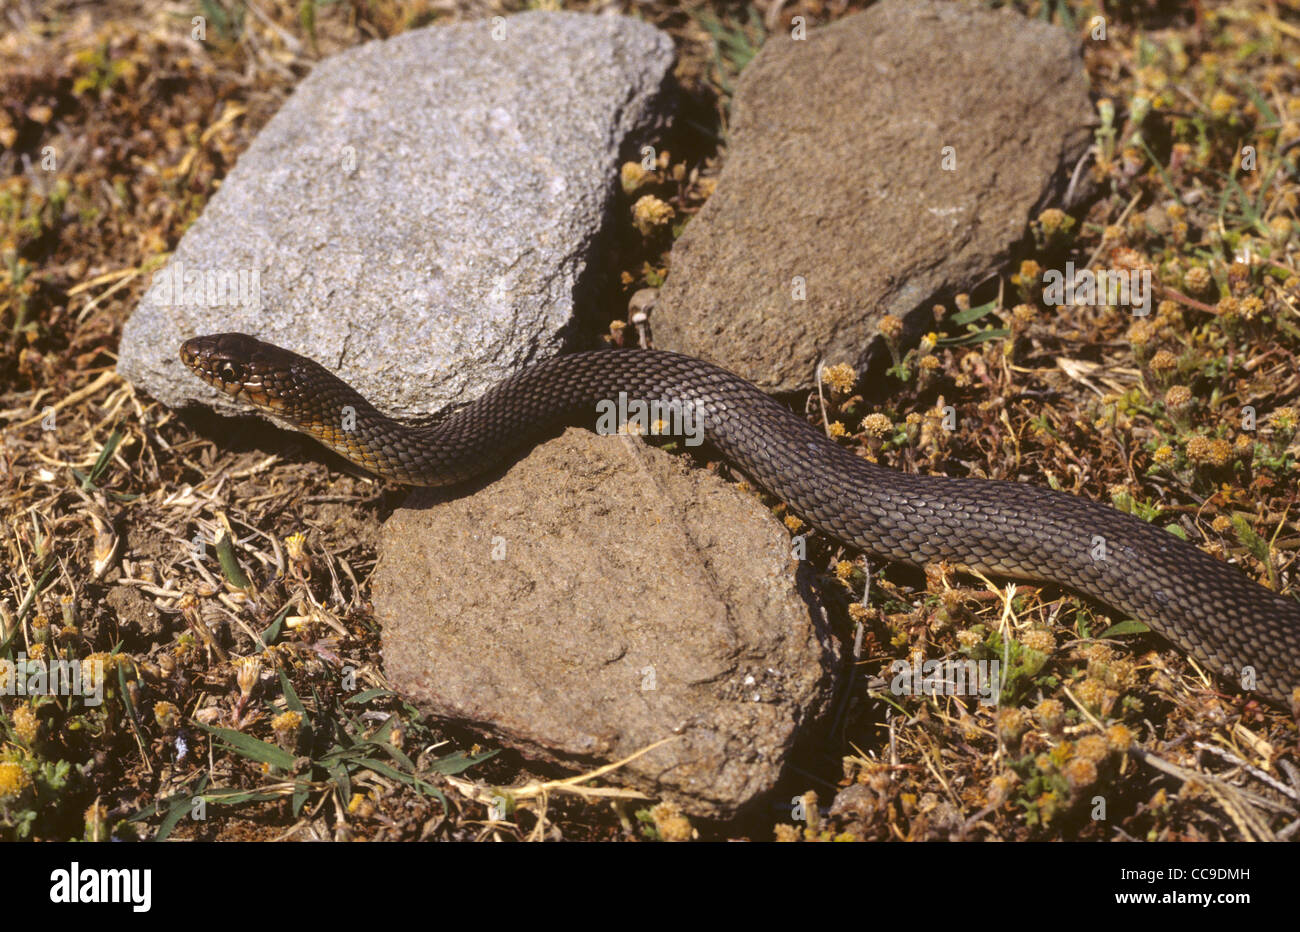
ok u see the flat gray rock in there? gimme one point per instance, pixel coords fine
(602, 596)
(422, 213)
(835, 175)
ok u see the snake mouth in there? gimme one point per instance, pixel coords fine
(260, 399)
(189, 355)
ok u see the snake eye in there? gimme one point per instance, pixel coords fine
(229, 373)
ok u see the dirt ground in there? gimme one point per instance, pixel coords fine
(248, 684)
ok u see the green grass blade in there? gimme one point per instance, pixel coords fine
(254, 749)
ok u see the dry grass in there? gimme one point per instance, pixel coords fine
(253, 680)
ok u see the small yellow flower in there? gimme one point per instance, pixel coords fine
(1080, 773)
(1178, 398)
(1039, 639)
(1209, 451)
(1011, 723)
(1197, 280)
(247, 671)
(784, 832)
(1092, 693)
(1163, 361)
(26, 724)
(649, 213)
(1141, 333)
(1099, 653)
(632, 176)
(13, 780)
(167, 716)
(1050, 714)
(671, 823)
(1051, 220)
(1000, 788)
(286, 726)
(1119, 737)
(1152, 77)
(840, 377)
(295, 546)
(1093, 748)
(876, 424)
(1221, 104)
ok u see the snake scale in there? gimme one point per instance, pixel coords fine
(1208, 608)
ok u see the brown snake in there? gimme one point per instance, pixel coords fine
(1208, 608)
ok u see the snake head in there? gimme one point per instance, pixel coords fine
(242, 366)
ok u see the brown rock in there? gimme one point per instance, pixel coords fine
(835, 174)
(630, 599)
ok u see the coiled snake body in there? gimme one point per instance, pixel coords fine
(1208, 608)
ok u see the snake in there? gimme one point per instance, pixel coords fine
(1210, 609)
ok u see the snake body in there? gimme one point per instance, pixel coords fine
(1208, 608)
